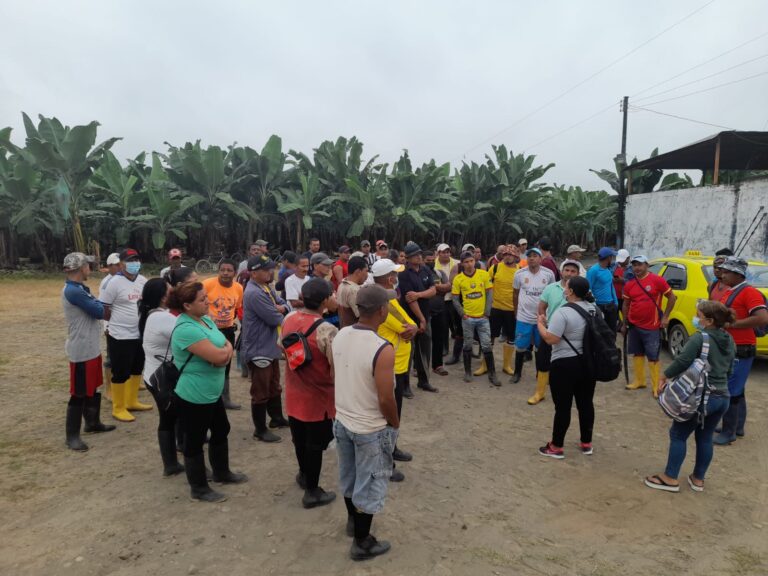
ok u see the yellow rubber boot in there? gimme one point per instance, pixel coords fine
(542, 380)
(482, 370)
(108, 384)
(653, 368)
(508, 354)
(639, 370)
(132, 395)
(118, 403)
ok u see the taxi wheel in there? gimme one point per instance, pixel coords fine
(677, 337)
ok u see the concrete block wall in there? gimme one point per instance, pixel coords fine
(709, 218)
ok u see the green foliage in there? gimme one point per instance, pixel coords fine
(61, 191)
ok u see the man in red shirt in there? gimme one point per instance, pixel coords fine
(642, 313)
(749, 305)
(622, 261)
(547, 260)
(340, 268)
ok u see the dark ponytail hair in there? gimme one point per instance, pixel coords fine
(580, 287)
(151, 296)
(178, 275)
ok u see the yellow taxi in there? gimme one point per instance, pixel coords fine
(689, 276)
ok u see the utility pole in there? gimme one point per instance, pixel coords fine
(621, 162)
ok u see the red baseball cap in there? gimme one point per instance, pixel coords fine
(380, 243)
(174, 253)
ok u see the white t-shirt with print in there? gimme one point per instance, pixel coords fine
(530, 287)
(123, 297)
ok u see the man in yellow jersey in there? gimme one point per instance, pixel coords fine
(472, 292)
(503, 309)
(399, 330)
(445, 263)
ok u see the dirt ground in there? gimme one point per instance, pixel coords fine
(477, 499)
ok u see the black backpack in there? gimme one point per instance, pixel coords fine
(601, 355)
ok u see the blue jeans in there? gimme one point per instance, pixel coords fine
(365, 465)
(483, 327)
(680, 431)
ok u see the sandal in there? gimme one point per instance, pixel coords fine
(695, 487)
(657, 483)
(440, 370)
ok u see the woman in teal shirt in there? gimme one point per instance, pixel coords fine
(201, 353)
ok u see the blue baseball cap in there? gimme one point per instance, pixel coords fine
(605, 252)
(534, 251)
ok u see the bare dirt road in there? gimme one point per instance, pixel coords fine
(477, 499)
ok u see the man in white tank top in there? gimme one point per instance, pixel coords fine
(366, 424)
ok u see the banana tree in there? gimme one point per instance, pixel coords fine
(28, 206)
(166, 216)
(642, 180)
(117, 195)
(207, 180)
(68, 156)
(301, 204)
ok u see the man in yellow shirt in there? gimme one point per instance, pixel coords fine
(472, 292)
(503, 309)
(399, 330)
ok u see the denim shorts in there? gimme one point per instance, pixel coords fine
(644, 343)
(365, 465)
(525, 335)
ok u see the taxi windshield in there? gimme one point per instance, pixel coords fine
(757, 276)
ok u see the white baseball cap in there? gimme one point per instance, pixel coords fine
(443, 246)
(467, 247)
(113, 258)
(522, 241)
(385, 266)
(622, 255)
(574, 248)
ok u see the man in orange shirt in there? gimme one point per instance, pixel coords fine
(225, 298)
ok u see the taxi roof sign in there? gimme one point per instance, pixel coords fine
(692, 253)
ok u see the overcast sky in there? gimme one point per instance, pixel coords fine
(438, 78)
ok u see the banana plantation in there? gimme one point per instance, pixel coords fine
(62, 189)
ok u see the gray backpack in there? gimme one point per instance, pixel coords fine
(687, 395)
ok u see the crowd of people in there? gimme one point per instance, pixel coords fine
(345, 335)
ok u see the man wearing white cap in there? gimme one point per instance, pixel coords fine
(576, 252)
(399, 330)
(619, 269)
(113, 267)
(448, 265)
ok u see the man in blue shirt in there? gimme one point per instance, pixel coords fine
(83, 314)
(601, 283)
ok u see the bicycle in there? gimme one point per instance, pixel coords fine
(210, 264)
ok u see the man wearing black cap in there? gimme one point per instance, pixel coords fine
(82, 312)
(346, 296)
(717, 288)
(370, 257)
(417, 286)
(750, 307)
(263, 312)
(122, 295)
(320, 265)
(340, 269)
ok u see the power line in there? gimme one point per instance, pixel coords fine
(636, 94)
(587, 79)
(708, 89)
(681, 117)
(718, 73)
(572, 126)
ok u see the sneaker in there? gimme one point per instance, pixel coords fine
(551, 451)
(586, 447)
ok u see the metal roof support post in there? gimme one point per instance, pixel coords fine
(716, 175)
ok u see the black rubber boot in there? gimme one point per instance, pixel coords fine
(350, 527)
(741, 417)
(519, 360)
(467, 365)
(407, 392)
(92, 416)
(317, 497)
(489, 363)
(74, 416)
(275, 411)
(228, 404)
(259, 415)
(166, 439)
(458, 344)
(198, 483)
(218, 454)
